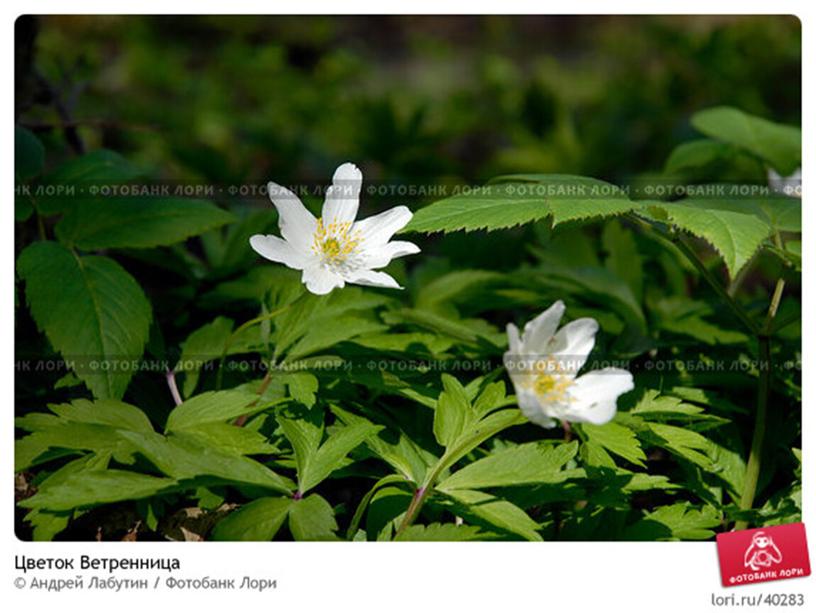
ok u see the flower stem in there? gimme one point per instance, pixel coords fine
(413, 509)
(171, 383)
(752, 470)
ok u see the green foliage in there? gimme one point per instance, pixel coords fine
(777, 144)
(97, 312)
(377, 414)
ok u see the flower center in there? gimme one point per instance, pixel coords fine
(335, 242)
(552, 388)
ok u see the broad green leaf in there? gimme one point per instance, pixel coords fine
(778, 144)
(259, 520)
(91, 310)
(213, 407)
(675, 522)
(29, 154)
(329, 332)
(497, 513)
(564, 197)
(453, 411)
(302, 386)
(525, 464)
(89, 488)
(440, 533)
(203, 345)
(137, 222)
(735, 236)
(617, 439)
(185, 456)
(312, 519)
(304, 431)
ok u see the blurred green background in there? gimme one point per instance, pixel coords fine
(409, 98)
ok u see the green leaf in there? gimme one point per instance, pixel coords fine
(89, 488)
(333, 452)
(185, 456)
(617, 439)
(735, 236)
(437, 532)
(259, 520)
(779, 145)
(105, 412)
(90, 309)
(137, 222)
(680, 441)
(453, 411)
(475, 436)
(521, 465)
(498, 514)
(29, 154)
(302, 387)
(564, 197)
(213, 407)
(675, 522)
(203, 345)
(312, 519)
(696, 154)
(231, 439)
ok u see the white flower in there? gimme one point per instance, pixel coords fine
(790, 185)
(543, 364)
(335, 249)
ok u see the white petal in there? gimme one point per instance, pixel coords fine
(381, 255)
(343, 197)
(513, 341)
(539, 331)
(573, 343)
(320, 280)
(297, 224)
(278, 250)
(533, 409)
(595, 395)
(372, 278)
(378, 229)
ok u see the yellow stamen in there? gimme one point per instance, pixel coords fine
(334, 242)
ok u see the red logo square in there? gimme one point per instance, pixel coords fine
(763, 554)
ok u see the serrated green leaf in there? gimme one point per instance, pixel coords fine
(437, 532)
(675, 522)
(90, 309)
(735, 236)
(492, 207)
(780, 145)
(524, 464)
(497, 513)
(137, 222)
(332, 453)
(184, 456)
(259, 520)
(680, 441)
(213, 407)
(105, 412)
(617, 439)
(90, 488)
(453, 411)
